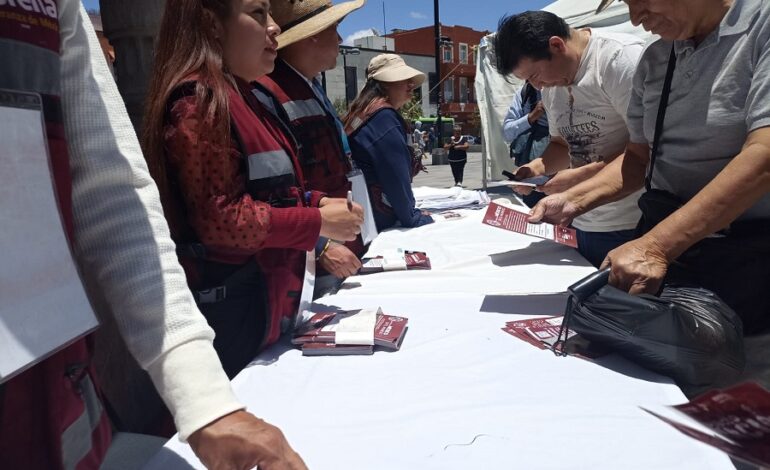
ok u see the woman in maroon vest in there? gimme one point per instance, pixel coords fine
(228, 173)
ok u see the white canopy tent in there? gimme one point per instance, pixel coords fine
(494, 93)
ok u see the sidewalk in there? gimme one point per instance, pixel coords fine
(440, 176)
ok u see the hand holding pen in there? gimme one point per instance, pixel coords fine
(341, 219)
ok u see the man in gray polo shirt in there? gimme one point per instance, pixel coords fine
(713, 156)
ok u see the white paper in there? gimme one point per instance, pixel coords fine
(434, 199)
(43, 305)
(394, 263)
(308, 286)
(543, 230)
(510, 184)
(354, 327)
(361, 196)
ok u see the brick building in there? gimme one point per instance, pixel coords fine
(458, 68)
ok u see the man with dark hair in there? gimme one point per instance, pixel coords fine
(706, 216)
(586, 78)
(527, 36)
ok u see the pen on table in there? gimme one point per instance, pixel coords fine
(350, 201)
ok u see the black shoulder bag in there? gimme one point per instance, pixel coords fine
(658, 204)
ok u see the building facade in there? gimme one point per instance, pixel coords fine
(454, 86)
(349, 76)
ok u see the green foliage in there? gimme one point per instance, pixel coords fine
(412, 111)
(340, 106)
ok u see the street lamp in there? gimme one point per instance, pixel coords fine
(345, 52)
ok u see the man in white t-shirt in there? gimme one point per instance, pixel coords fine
(586, 77)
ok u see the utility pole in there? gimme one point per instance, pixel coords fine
(437, 33)
(345, 52)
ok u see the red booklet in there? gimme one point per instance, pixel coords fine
(543, 333)
(411, 260)
(539, 332)
(737, 420)
(389, 331)
(331, 349)
(515, 221)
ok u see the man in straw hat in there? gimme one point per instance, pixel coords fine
(585, 76)
(308, 45)
(706, 214)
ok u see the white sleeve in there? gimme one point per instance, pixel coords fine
(618, 77)
(548, 104)
(122, 243)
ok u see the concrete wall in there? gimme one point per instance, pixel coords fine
(335, 79)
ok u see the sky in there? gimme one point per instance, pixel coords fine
(409, 14)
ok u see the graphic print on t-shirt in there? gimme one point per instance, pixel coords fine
(582, 130)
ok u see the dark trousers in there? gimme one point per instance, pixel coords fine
(457, 170)
(240, 318)
(737, 269)
(594, 246)
(735, 266)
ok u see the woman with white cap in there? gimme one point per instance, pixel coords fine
(378, 142)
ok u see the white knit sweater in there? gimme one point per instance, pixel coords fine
(123, 246)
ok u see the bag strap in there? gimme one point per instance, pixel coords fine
(661, 116)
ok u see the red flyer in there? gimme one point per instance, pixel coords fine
(515, 221)
(738, 419)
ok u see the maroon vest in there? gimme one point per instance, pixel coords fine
(323, 160)
(50, 415)
(273, 175)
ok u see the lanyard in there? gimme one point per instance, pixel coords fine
(330, 109)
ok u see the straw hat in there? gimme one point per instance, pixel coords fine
(603, 5)
(300, 19)
(392, 68)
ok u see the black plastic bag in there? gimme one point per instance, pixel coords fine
(687, 333)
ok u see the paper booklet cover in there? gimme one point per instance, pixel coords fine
(516, 221)
(331, 349)
(735, 421)
(407, 261)
(388, 331)
(543, 333)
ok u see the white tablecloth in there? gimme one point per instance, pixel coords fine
(461, 393)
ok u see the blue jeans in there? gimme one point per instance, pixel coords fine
(594, 246)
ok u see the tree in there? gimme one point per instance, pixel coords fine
(340, 106)
(412, 110)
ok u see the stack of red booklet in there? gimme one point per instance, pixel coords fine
(540, 332)
(735, 420)
(400, 262)
(319, 335)
(543, 333)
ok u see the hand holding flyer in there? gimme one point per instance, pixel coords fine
(515, 221)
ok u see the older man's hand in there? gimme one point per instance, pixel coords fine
(637, 267)
(563, 181)
(557, 209)
(242, 441)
